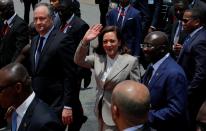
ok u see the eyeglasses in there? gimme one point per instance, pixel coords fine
(147, 45)
(186, 20)
(150, 46)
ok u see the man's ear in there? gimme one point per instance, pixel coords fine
(197, 22)
(18, 87)
(115, 112)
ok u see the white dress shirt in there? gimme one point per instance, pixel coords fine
(21, 110)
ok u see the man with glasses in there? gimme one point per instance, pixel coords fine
(28, 113)
(167, 84)
(192, 58)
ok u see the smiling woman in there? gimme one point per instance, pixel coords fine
(111, 65)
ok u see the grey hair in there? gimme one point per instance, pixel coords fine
(49, 7)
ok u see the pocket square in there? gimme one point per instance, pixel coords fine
(129, 18)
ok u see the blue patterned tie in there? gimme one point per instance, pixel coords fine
(39, 49)
(148, 75)
(14, 121)
(120, 20)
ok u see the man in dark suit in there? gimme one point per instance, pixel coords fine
(29, 112)
(13, 37)
(130, 106)
(14, 33)
(27, 5)
(128, 19)
(154, 9)
(52, 66)
(103, 8)
(142, 6)
(75, 28)
(192, 58)
(177, 34)
(167, 84)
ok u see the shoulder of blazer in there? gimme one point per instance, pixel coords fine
(129, 58)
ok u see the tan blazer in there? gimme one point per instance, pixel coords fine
(125, 67)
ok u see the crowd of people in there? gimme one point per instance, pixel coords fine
(150, 72)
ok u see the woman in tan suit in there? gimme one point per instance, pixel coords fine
(111, 65)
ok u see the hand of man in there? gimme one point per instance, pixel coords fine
(67, 116)
(177, 48)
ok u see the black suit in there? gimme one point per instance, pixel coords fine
(103, 8)
(53, 79)
(76, 30)
(13, 42)
(39, 117)
(27, 5)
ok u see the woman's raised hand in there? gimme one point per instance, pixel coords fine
(92, 33)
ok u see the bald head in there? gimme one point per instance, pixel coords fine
(6, 9)
(15, 72)
(14, 85)
(132, 100)
(4, 3)
(155, 46)
(156, 38)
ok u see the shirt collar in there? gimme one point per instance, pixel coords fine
(70, 19)
(134, 128)
(195, 31)
(112, 60)
(158, 63)
(9, 21)
(21, 110)
(125, 8)
(47, 34)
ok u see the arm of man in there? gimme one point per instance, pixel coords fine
(176, 97)
(66, 53)
(197, 84)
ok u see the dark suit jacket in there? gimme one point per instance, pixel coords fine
(13, 42)
(193, 60)
(168, 97)
(142, 6)
(53, 79)
(39, 117)
(131, 28)
(182, 36)
(155, 10)
(101, 1)
(76, 30)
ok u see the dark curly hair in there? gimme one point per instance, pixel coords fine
(122, 49)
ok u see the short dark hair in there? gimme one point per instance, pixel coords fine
(122, 49)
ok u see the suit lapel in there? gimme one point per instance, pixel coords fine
(26, 120)
(118, 66)
(188, 45)
(33, 50)
(160, 72)
(128, 14)
(71, 23)
(48, 43)
(101, 66)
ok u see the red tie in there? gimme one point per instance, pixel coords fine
(63, 27)
(4, 30)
